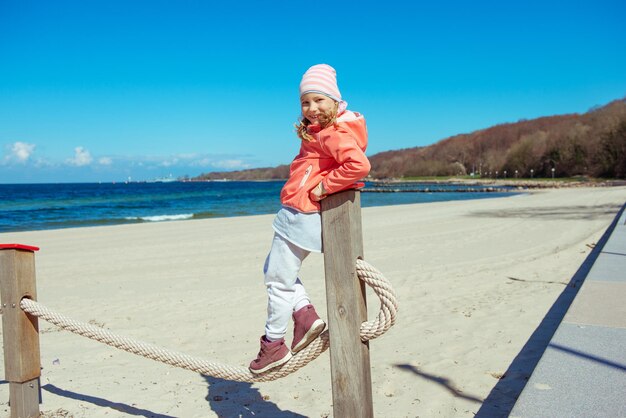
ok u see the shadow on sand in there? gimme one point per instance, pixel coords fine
(443, 381)
(503, 396)
(554, 212)
(226, 398)
(115, 406)
(237, 399)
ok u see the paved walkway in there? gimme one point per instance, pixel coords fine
(582, 373)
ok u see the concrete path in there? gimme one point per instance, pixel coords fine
(582, 372)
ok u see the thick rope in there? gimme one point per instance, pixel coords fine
(388, 301)
(369, 330)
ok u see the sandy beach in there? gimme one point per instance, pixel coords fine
(474, 280)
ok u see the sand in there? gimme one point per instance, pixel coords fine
(474, 278)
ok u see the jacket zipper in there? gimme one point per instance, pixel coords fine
(307, 173)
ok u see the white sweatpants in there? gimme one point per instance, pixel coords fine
(285, 292)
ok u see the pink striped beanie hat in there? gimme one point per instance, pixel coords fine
(322, 78)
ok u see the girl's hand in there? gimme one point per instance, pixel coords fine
(318, 193)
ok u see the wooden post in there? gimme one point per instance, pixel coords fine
(20, 331)
(345, 295)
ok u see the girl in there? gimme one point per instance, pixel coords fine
(332, 157)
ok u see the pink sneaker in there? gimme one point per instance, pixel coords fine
(272, 354)
(307, 325)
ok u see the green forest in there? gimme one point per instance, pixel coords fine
(592, 144)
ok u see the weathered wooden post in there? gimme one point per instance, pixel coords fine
(345, 296)
(20, 331)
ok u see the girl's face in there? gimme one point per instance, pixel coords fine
(316, 107)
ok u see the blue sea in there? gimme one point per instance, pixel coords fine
(28, 207)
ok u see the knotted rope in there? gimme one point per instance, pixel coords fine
(369, 330)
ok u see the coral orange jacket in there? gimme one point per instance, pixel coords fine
(335, 157)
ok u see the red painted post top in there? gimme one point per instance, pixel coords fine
(18, 247)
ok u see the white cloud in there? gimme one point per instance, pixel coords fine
(170, 162)
(140, 166)
(204, 162)
(223, 164)
(81, 158)
(178, 159)
(188, 156)
(43, 163)
(19, 152)
(22, 151)
(230, 164)
(184, 161)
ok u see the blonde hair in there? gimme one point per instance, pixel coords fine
(326, 119)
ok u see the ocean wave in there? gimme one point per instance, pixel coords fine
(160, 218)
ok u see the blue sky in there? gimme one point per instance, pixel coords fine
(106, 90)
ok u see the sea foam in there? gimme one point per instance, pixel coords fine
(160, 218)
